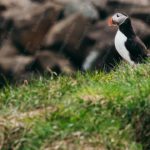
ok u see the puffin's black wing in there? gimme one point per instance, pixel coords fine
(136, 48)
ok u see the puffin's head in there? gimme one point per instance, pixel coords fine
(117, 19)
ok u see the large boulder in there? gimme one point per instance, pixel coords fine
(85, 8)
(8, 49)
(14, 68)
(69, 31)
(31, 21)
(69, 37)
(50, 62)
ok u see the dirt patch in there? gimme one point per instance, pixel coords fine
(13, 127)
(76, 141)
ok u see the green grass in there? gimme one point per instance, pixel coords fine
(92, 110)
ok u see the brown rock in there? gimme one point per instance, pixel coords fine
(142, 29)
(64, 2)
(69, 35)
(31, 22)
(52, 63)
(102, 33)
(134, 2)
(15, 67)
(70, 31)
(7, 49)
(99, 4)
(85, 8)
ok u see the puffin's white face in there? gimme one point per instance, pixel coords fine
(117, 19)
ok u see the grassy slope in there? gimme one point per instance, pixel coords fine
(91, 110)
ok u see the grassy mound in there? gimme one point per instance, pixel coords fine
(86, 111)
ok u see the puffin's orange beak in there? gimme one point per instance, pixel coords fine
(110, 21)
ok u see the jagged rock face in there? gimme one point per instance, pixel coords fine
(62, 36)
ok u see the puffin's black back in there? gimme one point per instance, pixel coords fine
(134, 45)
(127, 29)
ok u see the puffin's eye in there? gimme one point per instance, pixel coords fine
(117, 15)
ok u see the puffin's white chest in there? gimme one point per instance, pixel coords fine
(120, 40)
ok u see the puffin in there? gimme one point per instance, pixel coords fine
(127, 43)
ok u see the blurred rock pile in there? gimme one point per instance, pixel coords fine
(62, 36)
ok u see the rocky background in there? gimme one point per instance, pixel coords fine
(63, 36)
